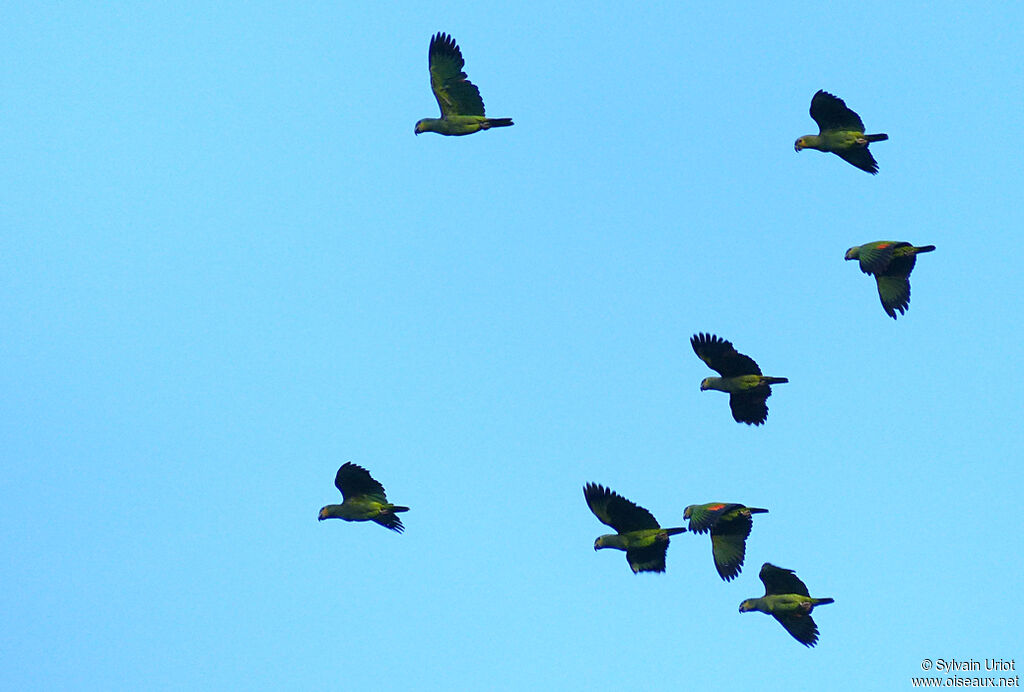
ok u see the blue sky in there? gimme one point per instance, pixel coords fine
(228, 266)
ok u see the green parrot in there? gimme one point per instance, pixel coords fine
(748, 389)
(462, 109)
(730, 525)
(840, 131)
(786, 599)
(364, 499)
(891, 262)
(637, 531)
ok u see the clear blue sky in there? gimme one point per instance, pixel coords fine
(227, 266)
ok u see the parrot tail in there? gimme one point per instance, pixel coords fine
(673, 532)
(876, 138)
(756, 510)
(823, 601)
(397, 508)
(775, 380)
(924, 248)
(497, 122)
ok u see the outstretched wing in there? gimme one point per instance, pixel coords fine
(720, 356)
(781, 581)
(455, 94)
(894, 284)
(649, 559)
(831, 113)
(859, 157)
(729, 544)
(801, 626)
(355, 481)
(616, 511)
(894, 292)
(750, 407)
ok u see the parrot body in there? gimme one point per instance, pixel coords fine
(462, 109)
(740, 377)
(890, 262)
(363, 500)
(840, 132)
(729, 524)
(787, 600)
(637, 531)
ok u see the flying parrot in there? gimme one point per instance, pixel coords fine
(786, 599)
(462, 109)
(748, 389)
(840, 131)
(363, 499)
(637, 531)
(730, 525)
(891, 262)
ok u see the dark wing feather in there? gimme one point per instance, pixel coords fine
(902, 262)
(649, 559)
(750, 407)
(616, 511)
(894, 292)
(729, 544)
(390, 521)
(720, 356)
(355, 481)
(778, 580)
(455, 94)
(831, 113)
(893, 283)
(802, 627)
(859, 157)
